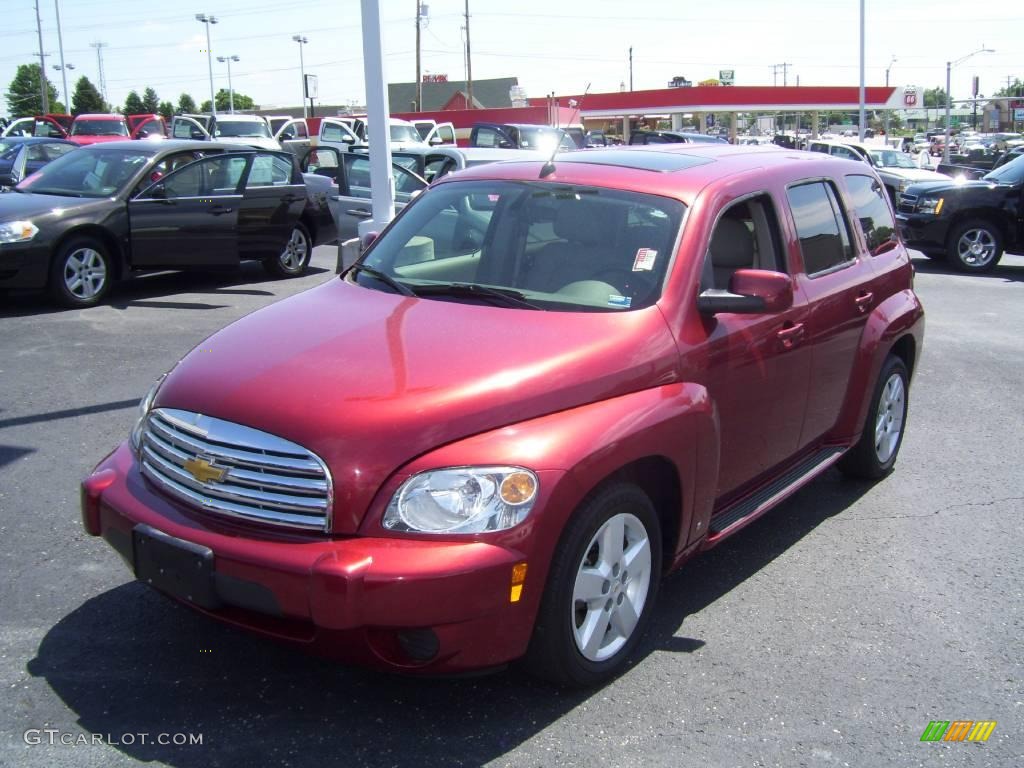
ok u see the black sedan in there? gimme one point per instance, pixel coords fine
(21, 156)
(107, 210)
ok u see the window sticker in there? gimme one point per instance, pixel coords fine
(619, 301)
(644, 261)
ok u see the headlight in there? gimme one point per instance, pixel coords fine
(17, 231)
(144, 407)
(463, 500)
(931, 205)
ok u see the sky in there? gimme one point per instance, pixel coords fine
(550, 47)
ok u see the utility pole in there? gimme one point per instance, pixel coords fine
(42, 63)
(419, 76)
(775, 73)
(99, 62)
(631, 67)
(63, 69)
(469, 65)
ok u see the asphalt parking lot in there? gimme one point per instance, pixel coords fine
(827, 634)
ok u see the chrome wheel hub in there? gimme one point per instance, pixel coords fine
(85, 273)
(295, 252)
(892, 408)
(976, 248)
(611, 587)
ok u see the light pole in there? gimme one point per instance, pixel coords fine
(208, 20)
(891, 62)
(231, 90)
(62, 69)
(302, 70)
(949, 67)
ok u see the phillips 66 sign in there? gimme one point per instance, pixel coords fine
(913, 97)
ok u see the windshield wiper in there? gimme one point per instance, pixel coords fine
(505, 296)
(383, 277)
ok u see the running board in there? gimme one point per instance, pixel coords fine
(733, 518)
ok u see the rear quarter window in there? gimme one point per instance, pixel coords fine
(873, 213)
(824, 237)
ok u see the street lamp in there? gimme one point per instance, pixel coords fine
(949, 67)
(891, 62)
(62, 68)
(208, 20)
(231, 90)
(302, 70)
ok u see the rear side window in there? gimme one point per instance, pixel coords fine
(873, 213)
(824, 237)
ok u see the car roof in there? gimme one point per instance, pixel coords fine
(168, 145)
(680, 171)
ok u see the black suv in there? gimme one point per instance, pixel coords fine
(969, 223)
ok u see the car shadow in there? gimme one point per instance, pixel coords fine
(1003, 271)
(146, 290)
(129, 661)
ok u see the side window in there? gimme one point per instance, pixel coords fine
(824, 237)
(446, 133)
(150, 128)
(438, 166)
(53, 151)
(269, 171)
(846, 154)
(357, 170)
(334, 132)
(818, 148)
(873, 213)
(746, 236)
(487, 137)
(323, 162)
(182, 130)
(211, 175)
(405, 182)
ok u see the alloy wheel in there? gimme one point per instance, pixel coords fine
(892, 408)
(85, 273)
(294, 254)
(976, 248)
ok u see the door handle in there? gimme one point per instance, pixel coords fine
(790, 335)
(864, 300)
(359, 213)
(217, 210)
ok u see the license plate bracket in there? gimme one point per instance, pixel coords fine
(177, 567)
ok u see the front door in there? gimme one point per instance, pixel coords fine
(189, 218)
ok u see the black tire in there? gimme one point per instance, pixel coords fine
(554, 653)
(863, 460)
(974, 245)
(294, 259)
(81, 273)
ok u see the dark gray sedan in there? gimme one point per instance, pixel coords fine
(107, 210)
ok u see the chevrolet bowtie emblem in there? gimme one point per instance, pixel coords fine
(204, 471)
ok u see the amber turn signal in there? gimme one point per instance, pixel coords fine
(518, 488)
(518, 577)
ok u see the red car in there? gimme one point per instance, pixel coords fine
(95, 129)
(540, 389)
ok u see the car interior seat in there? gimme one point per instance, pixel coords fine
(587, 231)
(732, 248)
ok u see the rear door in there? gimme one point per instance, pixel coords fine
(190, 217)
(354, 201)
(186, 128)
(272, 201)
(441, 134)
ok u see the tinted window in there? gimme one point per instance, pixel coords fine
(99, 128)
(255, 129)
(269, 171)
(183, 130)
(488, 137)
(93, 173)
(824, 239)
(873, 212)
(210, 176)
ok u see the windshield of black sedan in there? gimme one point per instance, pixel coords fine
(86, 173)
(249, 129)
(553, 246)
(1011, 173)
(99, 128)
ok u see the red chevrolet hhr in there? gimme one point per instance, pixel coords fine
(540, 389)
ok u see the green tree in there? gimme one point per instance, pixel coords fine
(133, 104)
(1016, 89)
(23, 95)
(935, 97)
(86, 98)
(186, 104)
(166, 110)
(242, 102)
(150, 101)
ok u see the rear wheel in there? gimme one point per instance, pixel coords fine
(81, 273)
(294, 259)
(875, 453)
(602, 586)
(975, 245)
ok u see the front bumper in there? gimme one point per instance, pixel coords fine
(24, 265)
(923, 231)
(373, 601)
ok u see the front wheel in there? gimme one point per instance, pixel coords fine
(602, 586)
(294, 259)
(975, 246)
(875, 453)
(81, 273)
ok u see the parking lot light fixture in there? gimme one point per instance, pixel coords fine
(231, 90)
(302, 70)
(949, 97)
(209, 19)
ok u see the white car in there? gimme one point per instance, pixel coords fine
(247, 130)
(896, 169)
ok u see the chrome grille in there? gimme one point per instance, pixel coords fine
(264, 479)
(907, 203)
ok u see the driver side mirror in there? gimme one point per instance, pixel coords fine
(751, 292)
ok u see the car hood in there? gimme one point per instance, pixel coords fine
(948, 186)
(22, 205)
(916, 175)
(370, 380)
(84, 141)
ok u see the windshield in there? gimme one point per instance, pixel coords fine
(541, 244)
(8, 149)
(86, 173)
(405, 133)
(249, 129)
(1011, 173)
(110, 127)
(884, 158)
